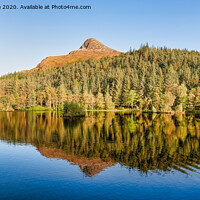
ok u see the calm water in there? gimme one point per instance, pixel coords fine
(107, 156)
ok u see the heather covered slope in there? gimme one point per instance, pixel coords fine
(91, 48)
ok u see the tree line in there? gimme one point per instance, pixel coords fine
(149, 79)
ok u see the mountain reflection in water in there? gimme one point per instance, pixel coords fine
(147, 142)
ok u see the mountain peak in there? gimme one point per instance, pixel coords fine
(91, 43)
(95, 45)
(91, 49)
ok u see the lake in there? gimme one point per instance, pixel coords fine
(104, 156)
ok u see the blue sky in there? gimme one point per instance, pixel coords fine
(28, 36)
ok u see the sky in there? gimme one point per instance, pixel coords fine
(28, 36)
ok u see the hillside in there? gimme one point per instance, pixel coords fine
(91, 48)
(148, 79)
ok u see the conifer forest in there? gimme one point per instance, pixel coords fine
(148, 79)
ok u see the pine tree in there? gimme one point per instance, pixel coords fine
(197, 99)
(40, 96)
(61, 93)
(181, 98)
(109, 105)
(88, 100)
(168, 101)
(31, 100)
(100, 102)
(156, 98)
(117, 91)
(191, 100)
(132, 99)
(125, 91)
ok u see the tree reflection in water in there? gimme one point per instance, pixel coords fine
(143, 141)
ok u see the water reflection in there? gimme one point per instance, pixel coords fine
(143, 141)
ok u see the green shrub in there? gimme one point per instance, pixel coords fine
(73, 108)
(36, 108)
(59, 108)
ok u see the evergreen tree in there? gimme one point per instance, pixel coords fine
(31, 100)
(100, 102)
(109, 105)
(40, 96)
(132, 99)
(125, 91)
(181, 98)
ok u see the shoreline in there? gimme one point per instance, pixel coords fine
(113, 110)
